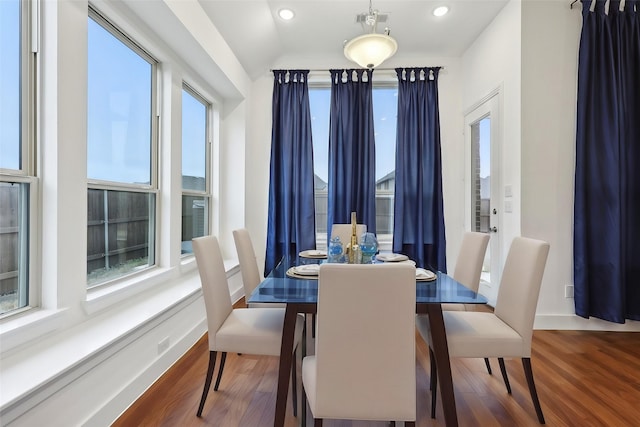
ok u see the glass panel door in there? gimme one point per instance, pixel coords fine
(484, 215)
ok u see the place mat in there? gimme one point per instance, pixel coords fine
(423, 275)
(314, 254)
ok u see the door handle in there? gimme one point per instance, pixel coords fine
(493, 229)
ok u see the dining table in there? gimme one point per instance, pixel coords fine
(300, 295)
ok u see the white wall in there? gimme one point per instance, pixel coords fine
(550, 38)
(530, 52)
(258, 155)
(493, 63)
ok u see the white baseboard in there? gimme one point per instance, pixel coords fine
(573, 322)
(121, 401)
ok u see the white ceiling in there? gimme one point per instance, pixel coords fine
(260, 38)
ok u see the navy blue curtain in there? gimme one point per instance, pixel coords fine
(291, 223)
(352, 182)
(418, 226)
(607, 180)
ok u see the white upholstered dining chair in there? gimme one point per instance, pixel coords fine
(248, 265)
(469, 265)
(344, 232)
(255, 331)
(507, 332)
(364, 364)
(468, 270)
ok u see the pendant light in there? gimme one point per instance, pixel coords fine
(371, 49)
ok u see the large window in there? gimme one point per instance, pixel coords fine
(17, 180)
(385, 111)
(195, 167)
(121, 154)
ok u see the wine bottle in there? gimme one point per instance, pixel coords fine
(354, 249)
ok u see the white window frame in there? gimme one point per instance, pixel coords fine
(206, 194)
(385, 241)
(153, 187)
(26, 174)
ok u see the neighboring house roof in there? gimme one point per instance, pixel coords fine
(388, 177)
(319, 183)
(193, 182)
(485, 187)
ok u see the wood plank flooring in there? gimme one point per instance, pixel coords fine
(583, 378)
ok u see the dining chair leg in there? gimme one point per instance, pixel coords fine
(486, 362)
(317, 422)
(409, 424)
(303, 393)
(433, 383)
(207, 381)
(528, 372)
(503, 369)
(303, 406)
(294, 385)
(220, 369)
(313, 325)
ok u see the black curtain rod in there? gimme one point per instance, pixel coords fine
(317, 70)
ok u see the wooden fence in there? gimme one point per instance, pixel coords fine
(118, 227)
(9, 238)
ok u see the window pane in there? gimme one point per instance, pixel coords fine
(194, 143)
(10, 144)
(319, 103)
(14, 250)
(385, 119)
(194, 220)
(119, 110)
(481, 174)
(120, 232)
(385, 111)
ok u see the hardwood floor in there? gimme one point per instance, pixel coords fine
(583, 379)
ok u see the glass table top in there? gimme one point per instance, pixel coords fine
(280, 288)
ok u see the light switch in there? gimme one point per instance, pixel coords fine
(508, 206)
(508, 191)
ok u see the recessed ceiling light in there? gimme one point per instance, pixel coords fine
(286, 14)
(440, 11)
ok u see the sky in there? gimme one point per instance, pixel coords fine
(385, 101)
(118, 110)
(9, 84)
(194, 136)
(485, 147)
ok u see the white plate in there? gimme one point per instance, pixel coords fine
(313, 253)
(391, 257)
(426, 275)
(307, 270)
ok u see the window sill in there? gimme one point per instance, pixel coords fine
(104, 297)
(28, 326)
(61, 351)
